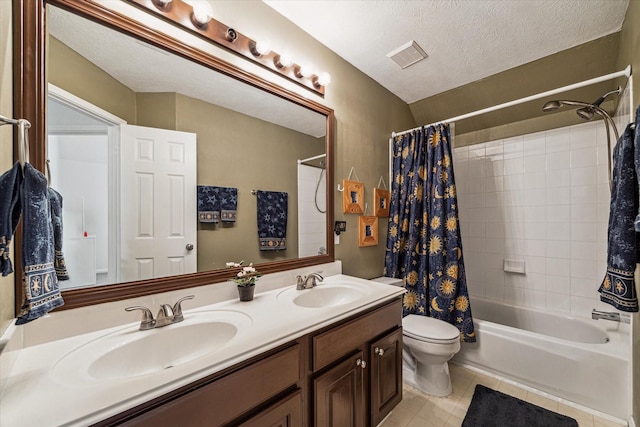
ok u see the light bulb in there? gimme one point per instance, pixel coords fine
(324, 79)
(306, 70)
(284, 60)
(202, 12)
(263, 47)
(162, 3)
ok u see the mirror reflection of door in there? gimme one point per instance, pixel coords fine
(158, 221)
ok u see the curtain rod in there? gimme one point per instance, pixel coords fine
(624, 73)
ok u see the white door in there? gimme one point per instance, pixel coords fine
(158, 203)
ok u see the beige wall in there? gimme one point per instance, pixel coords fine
(586, 61)
(232, 149)
(630, 54)
(73, 73)
(7, 294)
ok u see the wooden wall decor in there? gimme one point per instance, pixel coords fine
(367, 231)
(381, 200)
(352, 197)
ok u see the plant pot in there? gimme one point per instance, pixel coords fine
(246, 292)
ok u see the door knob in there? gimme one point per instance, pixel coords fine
(378, 351)
(189, 246)
(361, 363)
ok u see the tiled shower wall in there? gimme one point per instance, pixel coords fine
(542, 199)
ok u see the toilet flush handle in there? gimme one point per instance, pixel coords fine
(378, 351)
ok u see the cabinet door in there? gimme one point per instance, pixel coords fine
(286, 413)
(386, 375)
(339, 397)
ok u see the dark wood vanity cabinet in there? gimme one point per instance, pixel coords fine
(357, 369)
(347, 374)
(385, 355)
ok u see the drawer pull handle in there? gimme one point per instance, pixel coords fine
(379, 351)
(361, 363)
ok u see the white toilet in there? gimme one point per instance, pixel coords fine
(428, 345)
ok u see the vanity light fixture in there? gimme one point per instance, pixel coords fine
(162, 4)
(197, 16)
(261, 48)
(304, 70)
(324, 79)
(201, 13)
(284, 60)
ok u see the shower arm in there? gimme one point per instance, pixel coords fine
(608, 122)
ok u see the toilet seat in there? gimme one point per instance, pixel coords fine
(428, 329)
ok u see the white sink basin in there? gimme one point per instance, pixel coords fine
(129, 352)
(323, 295)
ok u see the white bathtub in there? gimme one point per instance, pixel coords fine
(581, 360)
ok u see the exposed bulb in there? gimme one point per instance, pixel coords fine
(324, 79)
(263, 47)
(306, 70)
(202, 12)
(162, 3)
(284, 60)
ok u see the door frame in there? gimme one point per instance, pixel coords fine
(112, 123)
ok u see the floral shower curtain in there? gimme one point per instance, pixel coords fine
(423, 243)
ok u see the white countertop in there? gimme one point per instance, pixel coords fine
(33, 396)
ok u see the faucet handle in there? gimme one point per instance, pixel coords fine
(300, 282)
(177, 309)
(147, 321)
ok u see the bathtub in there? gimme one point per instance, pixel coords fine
(581, 360)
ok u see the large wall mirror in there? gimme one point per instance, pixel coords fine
(144, 135)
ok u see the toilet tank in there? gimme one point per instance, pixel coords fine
(389, 281)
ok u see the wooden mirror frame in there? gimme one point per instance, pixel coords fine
(30, 92)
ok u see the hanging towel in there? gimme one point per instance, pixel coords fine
(39, 281)
(228, 204)
(618, 286)
(55, 204)
(208, 204)
(10, 209)
(272, 220)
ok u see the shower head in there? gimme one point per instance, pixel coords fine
(552, 106)
(587, 113)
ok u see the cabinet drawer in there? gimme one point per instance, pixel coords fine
(225, 399)
(342, 340)
(286, 413)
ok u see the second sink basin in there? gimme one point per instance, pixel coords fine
(323, 295)
(129, 352)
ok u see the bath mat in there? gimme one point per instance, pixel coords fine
(490, 408)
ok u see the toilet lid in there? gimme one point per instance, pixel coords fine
(429, 329)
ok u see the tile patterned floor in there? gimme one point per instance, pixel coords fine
(421, 410)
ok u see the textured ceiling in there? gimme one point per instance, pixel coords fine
(466, 40)
(144, 68)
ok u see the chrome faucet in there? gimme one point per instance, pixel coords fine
(609, 315)
(308, 282)
(166, 316)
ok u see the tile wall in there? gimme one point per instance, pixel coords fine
(312, 235)
(543, 199)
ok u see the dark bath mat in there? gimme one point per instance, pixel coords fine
(490, 408)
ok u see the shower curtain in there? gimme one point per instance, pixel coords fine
(423, 241)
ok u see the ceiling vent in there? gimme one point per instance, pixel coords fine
(407, 54)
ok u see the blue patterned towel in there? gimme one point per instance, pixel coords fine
(55, 204)
(208, 204)
(272, 220)
(618, 286)
(40, 284)
(10, 209)
(228, 204)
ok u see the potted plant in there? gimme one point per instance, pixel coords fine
(245, 279)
